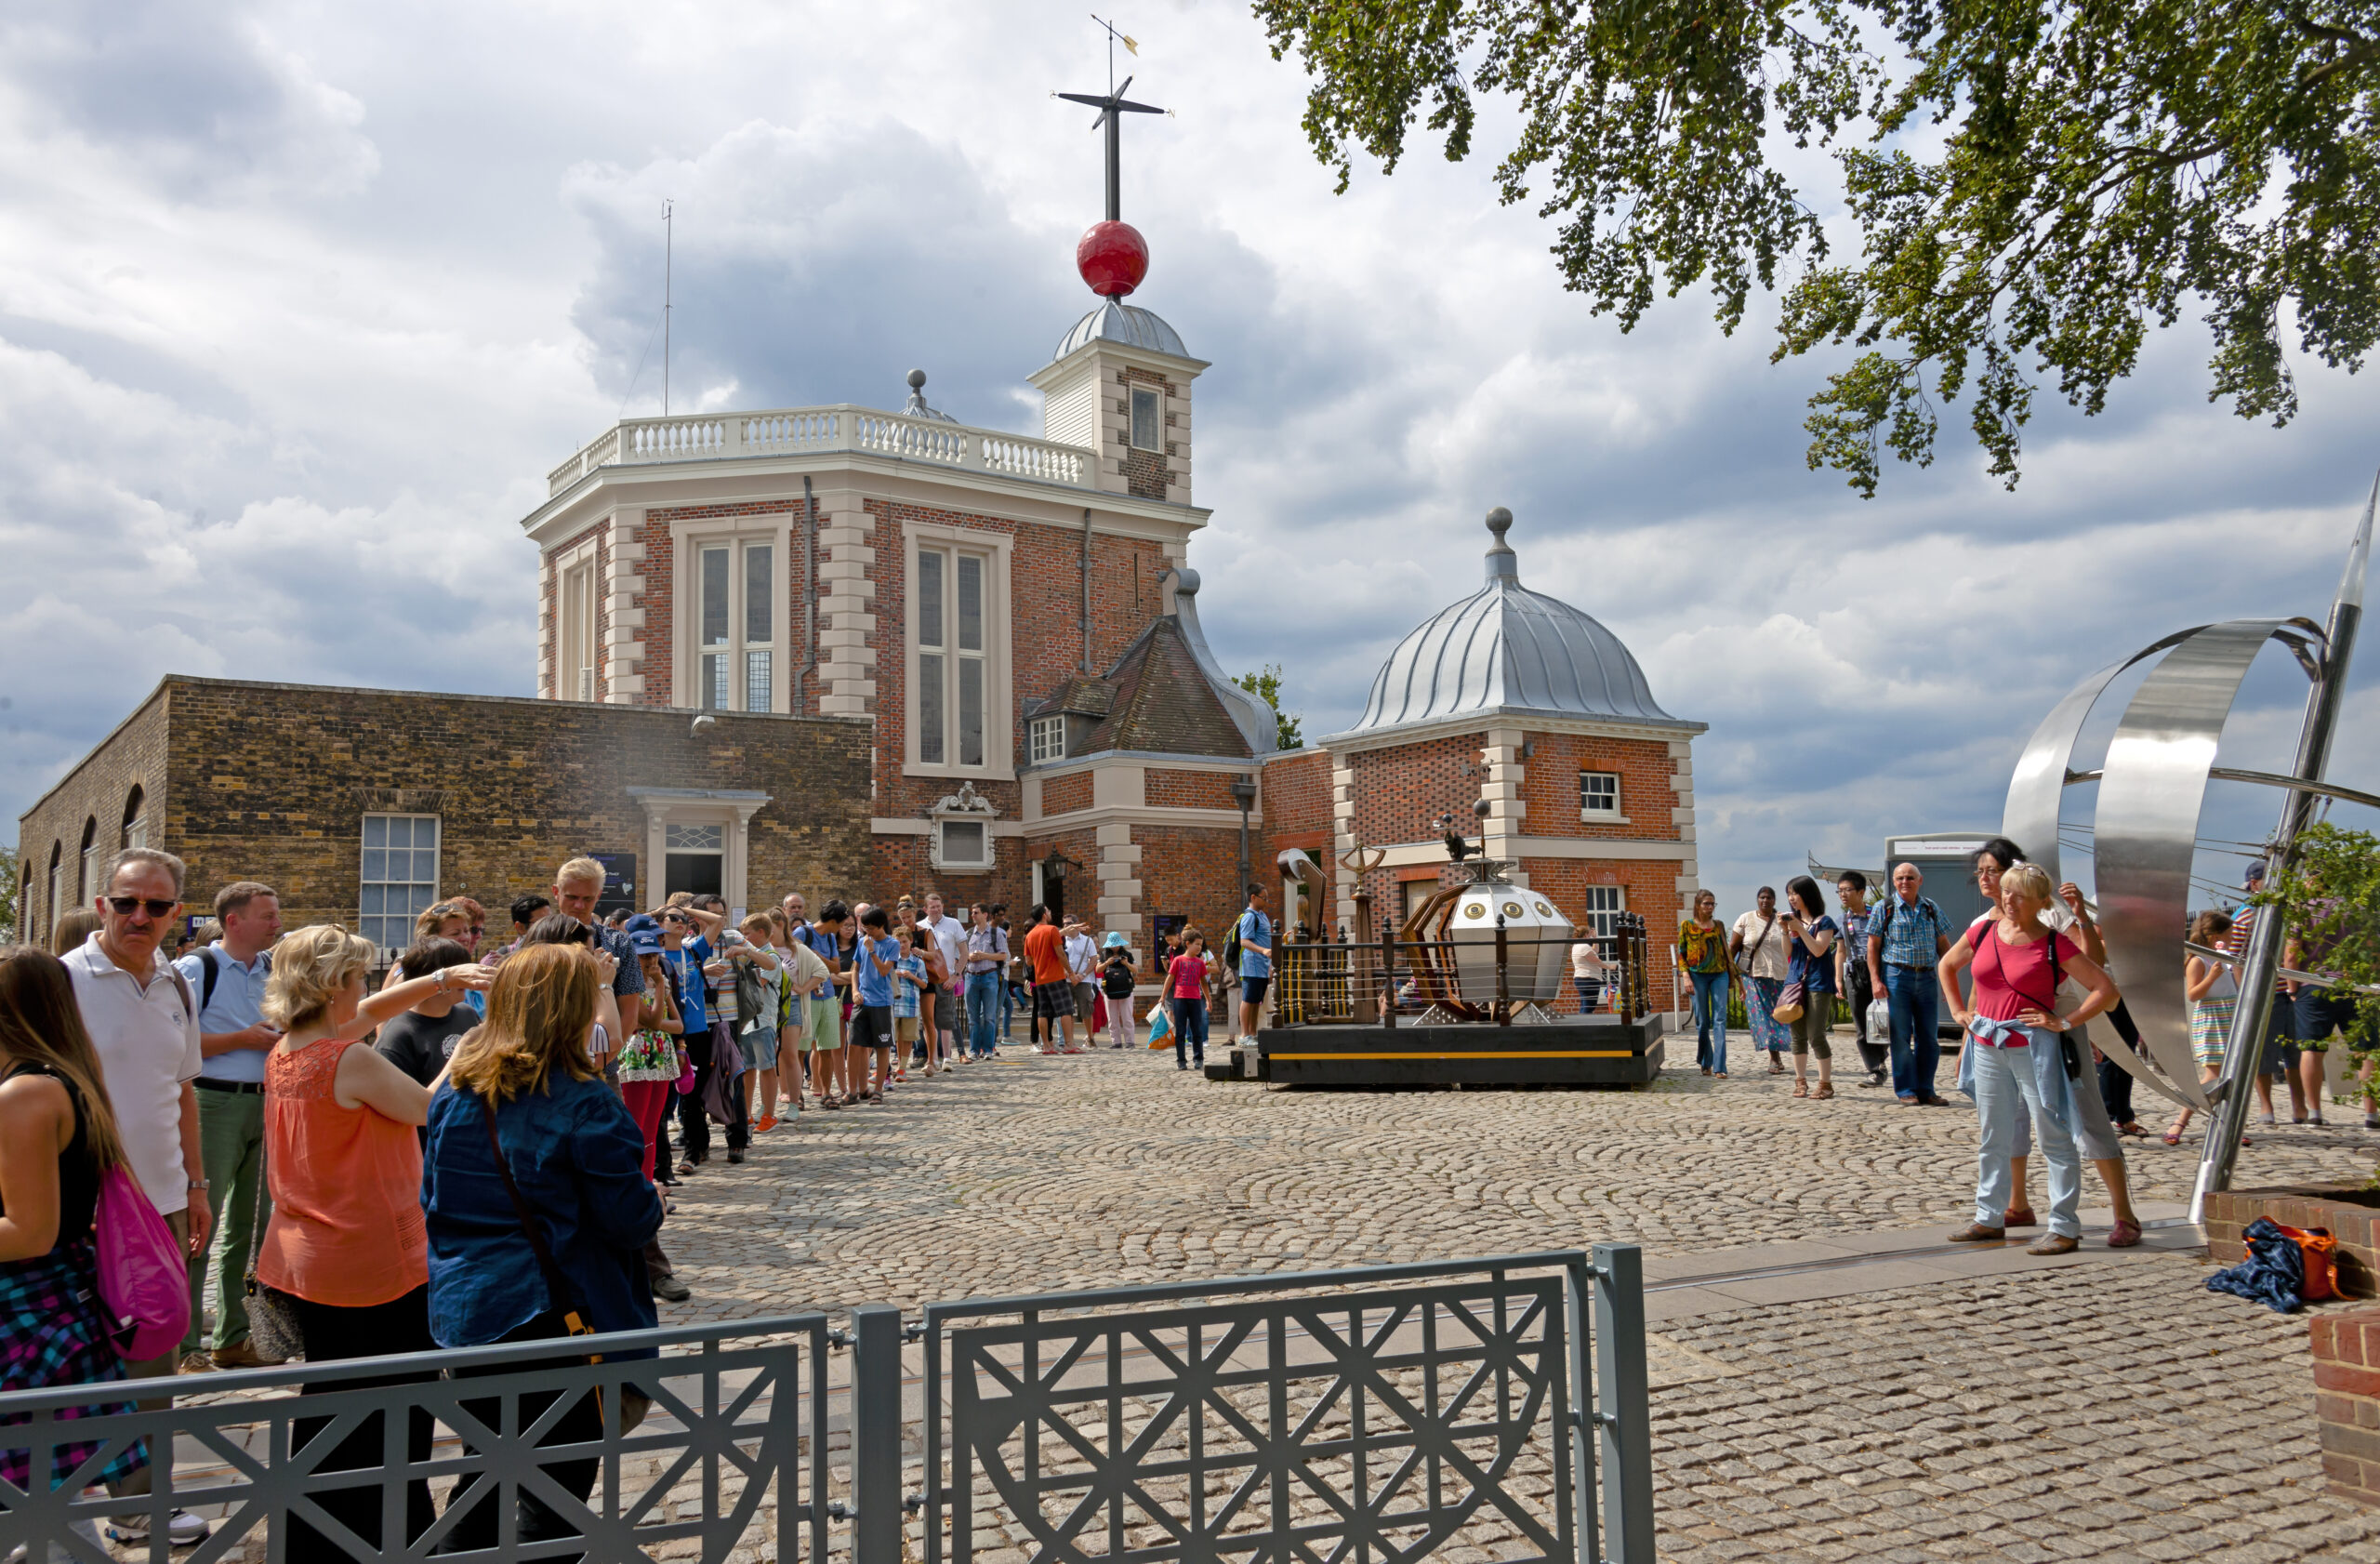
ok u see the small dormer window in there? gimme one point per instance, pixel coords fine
(1048, 739)
(1148, 428)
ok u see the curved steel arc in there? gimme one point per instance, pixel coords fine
(2030, 817)
(2149, 798)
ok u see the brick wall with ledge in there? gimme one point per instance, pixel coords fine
(2346, 1402)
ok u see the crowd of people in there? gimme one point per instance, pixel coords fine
(480, 1148)
(2021, 982)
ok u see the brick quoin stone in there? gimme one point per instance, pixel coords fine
(271, 782)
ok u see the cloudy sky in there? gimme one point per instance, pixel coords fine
(299, 302)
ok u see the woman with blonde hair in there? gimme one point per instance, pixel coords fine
(2018, 1052)
(538, 1207)
(345, 1241)
(57, 1139)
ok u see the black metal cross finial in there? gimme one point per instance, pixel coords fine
(1112, 107)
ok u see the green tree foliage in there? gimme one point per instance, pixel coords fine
(1265, 685)
(8, 899)
(2332, 904)
(2032, 180)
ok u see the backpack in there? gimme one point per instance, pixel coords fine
(1231, 943)
(1116, 981)
(145, 1285)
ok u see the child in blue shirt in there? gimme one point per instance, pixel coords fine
(874, 961)
(909, 979)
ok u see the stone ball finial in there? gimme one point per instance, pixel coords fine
(1482, 808)
(1499, 521)
(917, 383)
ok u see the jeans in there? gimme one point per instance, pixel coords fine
(582, 1424)
(2004, 1083)
(1590, 993)
(1916, 999)
(986, 997)
(230, 1142)
(1875, 1052)
(1189, 1031)
(2115, 1089)
(1008, 1008)
(1709, 1017)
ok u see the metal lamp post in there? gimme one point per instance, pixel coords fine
(1243, 791)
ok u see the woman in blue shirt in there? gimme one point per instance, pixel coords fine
(1812, 966)
(571, 1162)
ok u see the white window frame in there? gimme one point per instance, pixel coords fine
(999, 707)
(949, 862)
(57, 872)
(574, 629)
(1047, 736)
(687, 540)
(1132, 406)
(437, 854)
(1600, 918)
(1613, 813)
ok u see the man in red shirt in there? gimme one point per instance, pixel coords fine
(1053, 994)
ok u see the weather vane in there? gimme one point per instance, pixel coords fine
(1111, 107)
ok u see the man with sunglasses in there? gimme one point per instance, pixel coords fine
(143, 1021)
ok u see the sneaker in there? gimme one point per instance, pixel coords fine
(182, 1529)
(768, 1123)
(243, 1355)
(1875, 1078)
(2266, 1118)
(735, 1154)
(195, 1363)
(671, 1288)
(685, 1167)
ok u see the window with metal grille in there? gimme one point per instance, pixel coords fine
(1599, 793)
(736, 603)
(399, 876)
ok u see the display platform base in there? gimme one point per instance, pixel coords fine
(1590, 1050)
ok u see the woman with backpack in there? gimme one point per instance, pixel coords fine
(1115, 984)
(57, 1142)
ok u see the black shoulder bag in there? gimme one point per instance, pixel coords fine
(634, 1403)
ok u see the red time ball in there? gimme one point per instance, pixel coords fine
(1113, 258)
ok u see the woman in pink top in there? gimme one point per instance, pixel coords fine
(1185, 990)
(346, 1242)
(2014, 1052)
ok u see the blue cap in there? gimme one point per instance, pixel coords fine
(643, 923)
(1115, 940)
(645, 942)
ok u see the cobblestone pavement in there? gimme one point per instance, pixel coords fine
(1030, 1173)
(2104, 1412)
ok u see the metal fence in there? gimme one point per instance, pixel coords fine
(723, 1453)
(1337, 981)
(1385, 1413)
(1381, 1414)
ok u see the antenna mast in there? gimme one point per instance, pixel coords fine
(668, 248)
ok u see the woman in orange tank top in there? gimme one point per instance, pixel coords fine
(346, 1242)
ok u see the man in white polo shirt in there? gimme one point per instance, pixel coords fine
(950, 937)
(143, 1022)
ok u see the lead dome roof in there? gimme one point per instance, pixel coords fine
(1505, 652)
(1127, 323)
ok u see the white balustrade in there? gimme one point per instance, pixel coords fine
(796, 430)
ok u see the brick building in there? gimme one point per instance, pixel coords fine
(1523, 700)
(1013, 615)
(361, 807)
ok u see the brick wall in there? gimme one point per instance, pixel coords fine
(1045, 626)
(902, 863)
(2346, 1402)
(271, 782)
(659, 597)
(2356, 1225)
(95, 793)
(1549, 786)
(1063, 795)
(1146, 472)
(1190, 789)
(1194, 870)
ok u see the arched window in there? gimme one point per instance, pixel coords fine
(136, 827)
(88, 885)
(57, 908)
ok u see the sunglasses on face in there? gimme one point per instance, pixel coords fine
(126, 905)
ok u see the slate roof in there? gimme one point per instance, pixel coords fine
(1159, 702)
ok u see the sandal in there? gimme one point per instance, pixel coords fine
(2173, 1137)
(1826, 1089)
(2124, 1234)
(1800, 1088)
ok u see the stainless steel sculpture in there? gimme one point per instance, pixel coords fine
(2151, 788)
